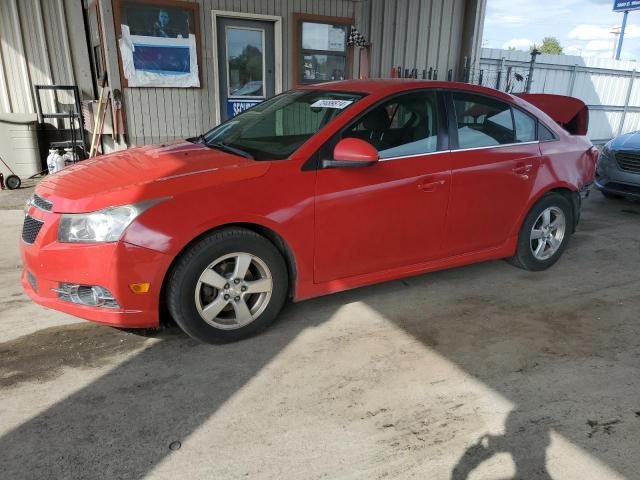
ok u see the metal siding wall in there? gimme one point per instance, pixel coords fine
(39, 44)
(13, 58)
(34, 49)
(409, 33)
(161, 114)
(377, 16)
(418, 34)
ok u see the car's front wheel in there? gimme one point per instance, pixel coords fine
(544, 234)
(229, 285)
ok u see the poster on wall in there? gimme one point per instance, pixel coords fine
(159, 43)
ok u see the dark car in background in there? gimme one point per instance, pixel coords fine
(618, 170)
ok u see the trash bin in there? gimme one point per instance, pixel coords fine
(19, 144)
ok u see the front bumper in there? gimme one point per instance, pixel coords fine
(610, 178)
(113, 266)
(624, 190)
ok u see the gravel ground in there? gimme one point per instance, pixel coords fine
(481, 372)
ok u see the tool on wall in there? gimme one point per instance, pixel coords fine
(100, 126)
(95, 139)
(118, 119)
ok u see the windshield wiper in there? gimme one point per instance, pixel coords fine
(198, 139)
(228, 148)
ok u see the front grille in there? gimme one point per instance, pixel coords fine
(629, 161)
(30, 229)
(41, 203)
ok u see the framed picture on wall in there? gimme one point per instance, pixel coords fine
(159, 42)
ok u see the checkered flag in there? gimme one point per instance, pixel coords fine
(356, 39)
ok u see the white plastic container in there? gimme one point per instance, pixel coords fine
(59, 162)
(51, 163)
(55, 161)
(69, 157)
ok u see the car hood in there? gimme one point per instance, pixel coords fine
(628, 141)
(144, 173)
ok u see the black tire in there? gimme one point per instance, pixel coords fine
(13, 182)
(611, 196)
(183, 279)
(524, 257)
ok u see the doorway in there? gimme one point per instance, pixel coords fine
(246, 64)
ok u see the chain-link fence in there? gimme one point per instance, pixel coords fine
(512, 79)
(608, 87)
(508, 79)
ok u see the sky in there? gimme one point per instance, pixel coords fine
(582, 26)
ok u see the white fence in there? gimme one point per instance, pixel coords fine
(611, 88)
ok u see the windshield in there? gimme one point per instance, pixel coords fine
(274, 129)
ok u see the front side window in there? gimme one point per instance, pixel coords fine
(276, 128)
(406, 125)
(482, 121)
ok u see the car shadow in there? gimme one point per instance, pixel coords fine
(122, 424)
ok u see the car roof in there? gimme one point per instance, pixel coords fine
(400, 84)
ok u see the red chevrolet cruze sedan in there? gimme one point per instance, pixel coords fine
(314, 191)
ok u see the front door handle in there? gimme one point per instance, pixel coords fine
(430, 186)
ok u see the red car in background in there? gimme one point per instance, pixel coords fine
(317, 190)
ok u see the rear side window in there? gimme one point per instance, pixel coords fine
(405, 125)
(482, 121)
(544, 134)
(525, 126)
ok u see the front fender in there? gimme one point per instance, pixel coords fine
(288, 213)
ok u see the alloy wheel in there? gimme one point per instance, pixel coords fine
(548, 233)
(233, 290)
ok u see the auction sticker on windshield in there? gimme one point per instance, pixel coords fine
(329, 103)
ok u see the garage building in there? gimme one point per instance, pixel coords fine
(298, 42)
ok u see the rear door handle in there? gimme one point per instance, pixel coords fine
(430, 186)
(523, 171)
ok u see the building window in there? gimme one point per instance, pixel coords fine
(322, 53)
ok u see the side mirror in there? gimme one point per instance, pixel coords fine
(350, 153)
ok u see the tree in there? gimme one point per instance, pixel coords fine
(550, 45)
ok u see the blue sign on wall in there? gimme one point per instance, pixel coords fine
(237, 105)
(625, 5)
(168, 59)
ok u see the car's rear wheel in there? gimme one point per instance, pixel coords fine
(229, 285)
(544, 234)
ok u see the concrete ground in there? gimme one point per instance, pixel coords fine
(481, 372)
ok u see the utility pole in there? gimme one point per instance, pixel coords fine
(624, 25)
(616, 33)
(534, 53)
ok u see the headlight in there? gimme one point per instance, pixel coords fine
(605, 154)
(106, 225)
